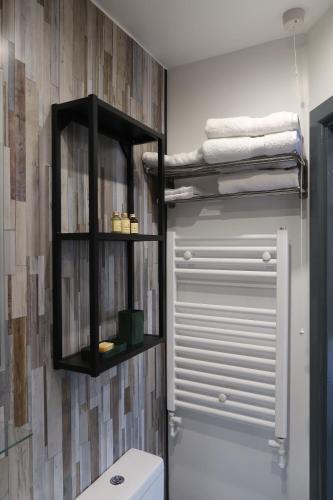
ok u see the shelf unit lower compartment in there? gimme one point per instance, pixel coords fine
(76, 363)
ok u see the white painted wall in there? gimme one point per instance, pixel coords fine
(216, 460)
(252, 82)
(320, 48)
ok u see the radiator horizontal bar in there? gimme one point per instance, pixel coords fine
(224, 343)
(226, 404)
(224, 272)
(231, 238)
(217, 260)
(226, 414)
(223, 331)
(254, 385)
(227, 368)
(226, 249)
(225, 390)
(225, 355)
(233, 284)
(221, 319)
(216, 307)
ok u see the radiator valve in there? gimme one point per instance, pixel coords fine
(279, 444)
(174, 424)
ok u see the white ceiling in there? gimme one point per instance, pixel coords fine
(178, 32)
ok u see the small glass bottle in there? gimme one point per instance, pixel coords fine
(116, 222)
(125, 223)
(134, 224)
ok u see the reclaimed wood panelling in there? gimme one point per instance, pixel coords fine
(53, 51)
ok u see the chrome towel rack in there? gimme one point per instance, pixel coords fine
(230, 361)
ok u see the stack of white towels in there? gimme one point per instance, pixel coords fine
(233, 139)
(240, 138)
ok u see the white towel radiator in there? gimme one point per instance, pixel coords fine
(230, 361)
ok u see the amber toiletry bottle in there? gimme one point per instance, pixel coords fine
(116, 222)
(134, 224)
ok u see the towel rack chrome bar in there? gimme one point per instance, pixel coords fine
(247, 194)
(205, 169)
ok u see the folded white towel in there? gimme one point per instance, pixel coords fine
(244, 126)
(176, 160)
(264, 180)
(181, 193)
(241, 148)
(281, 164)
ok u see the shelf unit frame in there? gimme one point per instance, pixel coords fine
(102, 118)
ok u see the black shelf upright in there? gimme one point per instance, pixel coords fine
(102, 118)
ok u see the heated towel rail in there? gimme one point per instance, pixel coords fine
(230, 361)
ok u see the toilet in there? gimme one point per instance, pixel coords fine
(137, 475)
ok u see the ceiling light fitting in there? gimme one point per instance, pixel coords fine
(293, 19)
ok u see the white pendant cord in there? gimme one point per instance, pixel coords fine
(300, 112)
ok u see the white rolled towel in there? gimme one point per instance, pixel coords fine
(242, 148)
(245, 126)
(177, 160)
(182, 193)
(264, 180)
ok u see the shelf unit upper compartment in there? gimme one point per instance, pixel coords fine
(101, 119)
(110, 121)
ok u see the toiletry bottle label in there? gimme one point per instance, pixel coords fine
(116, 226)
(134, 228)
(125, 226)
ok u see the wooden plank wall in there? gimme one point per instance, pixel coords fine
(53, 51)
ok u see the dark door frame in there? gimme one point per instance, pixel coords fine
(321, 301)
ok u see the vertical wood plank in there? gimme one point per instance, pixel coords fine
(20, 367)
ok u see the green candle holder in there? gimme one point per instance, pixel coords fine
(131, 326)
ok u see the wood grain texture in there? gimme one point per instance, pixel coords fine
(53, 51)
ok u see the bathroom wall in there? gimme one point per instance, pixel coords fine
(53, 51)
(213, 458)
(320, 46)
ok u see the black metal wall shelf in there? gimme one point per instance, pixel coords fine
(102, 118)
(77, 364)
(112, 236)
